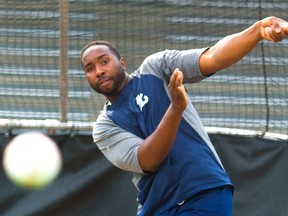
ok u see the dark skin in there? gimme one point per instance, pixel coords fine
(104, 71)
(106, 75)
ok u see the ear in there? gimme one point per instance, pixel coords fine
(123, 63)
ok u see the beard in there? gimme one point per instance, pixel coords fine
(115, 83)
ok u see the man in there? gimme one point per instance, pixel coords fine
(150, 128)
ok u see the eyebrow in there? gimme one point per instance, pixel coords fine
(98, 58)
(101, 56)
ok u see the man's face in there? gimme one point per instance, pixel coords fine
(104, 71)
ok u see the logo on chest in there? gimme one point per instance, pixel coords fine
(141, 100)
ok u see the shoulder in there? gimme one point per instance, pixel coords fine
(106, 133)
(104, 127)
(120, 147)
(172, 57)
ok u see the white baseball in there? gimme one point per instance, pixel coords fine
(32, 160)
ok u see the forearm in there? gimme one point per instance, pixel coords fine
(155, 148)
(232, 48)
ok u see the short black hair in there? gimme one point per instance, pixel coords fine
(101, 42)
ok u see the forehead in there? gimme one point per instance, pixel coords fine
(95, 51)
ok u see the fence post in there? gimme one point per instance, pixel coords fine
(63, 60)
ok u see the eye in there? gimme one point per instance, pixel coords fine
(89, 69)
(105, 61)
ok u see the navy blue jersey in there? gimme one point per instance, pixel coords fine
(192, 164)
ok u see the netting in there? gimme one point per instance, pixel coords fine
(41, 77)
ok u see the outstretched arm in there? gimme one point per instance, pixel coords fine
(232, 48)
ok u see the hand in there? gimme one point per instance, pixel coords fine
(274, 29)
(179, 98)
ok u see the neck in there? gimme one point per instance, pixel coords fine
(124, 83)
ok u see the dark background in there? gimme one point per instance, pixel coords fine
(89, 186)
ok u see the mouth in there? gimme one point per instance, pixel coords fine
(105, 82)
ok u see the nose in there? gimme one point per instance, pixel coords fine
(99, 72)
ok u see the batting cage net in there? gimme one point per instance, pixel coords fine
(42, 83)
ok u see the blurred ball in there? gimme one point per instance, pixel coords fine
(32, 160)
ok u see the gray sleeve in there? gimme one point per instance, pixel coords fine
(162, 64)
(119, 146)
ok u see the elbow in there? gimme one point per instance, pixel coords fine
(149, 168)
(208, 64)
(149, 163)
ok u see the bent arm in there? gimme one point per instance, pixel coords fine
(232, 48)
(155, 148)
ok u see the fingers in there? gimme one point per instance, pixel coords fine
(275, 29)
(284, 28)
(279, 30)
(176, 79)
(178, 94)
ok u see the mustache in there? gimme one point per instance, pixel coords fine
(103, 79)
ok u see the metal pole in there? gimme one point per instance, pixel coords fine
(63, 10)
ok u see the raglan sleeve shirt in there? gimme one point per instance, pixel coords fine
(120, 147)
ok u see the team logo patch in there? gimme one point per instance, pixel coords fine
(141, 100)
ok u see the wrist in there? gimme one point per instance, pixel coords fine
(257, 30)
(176, 111)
